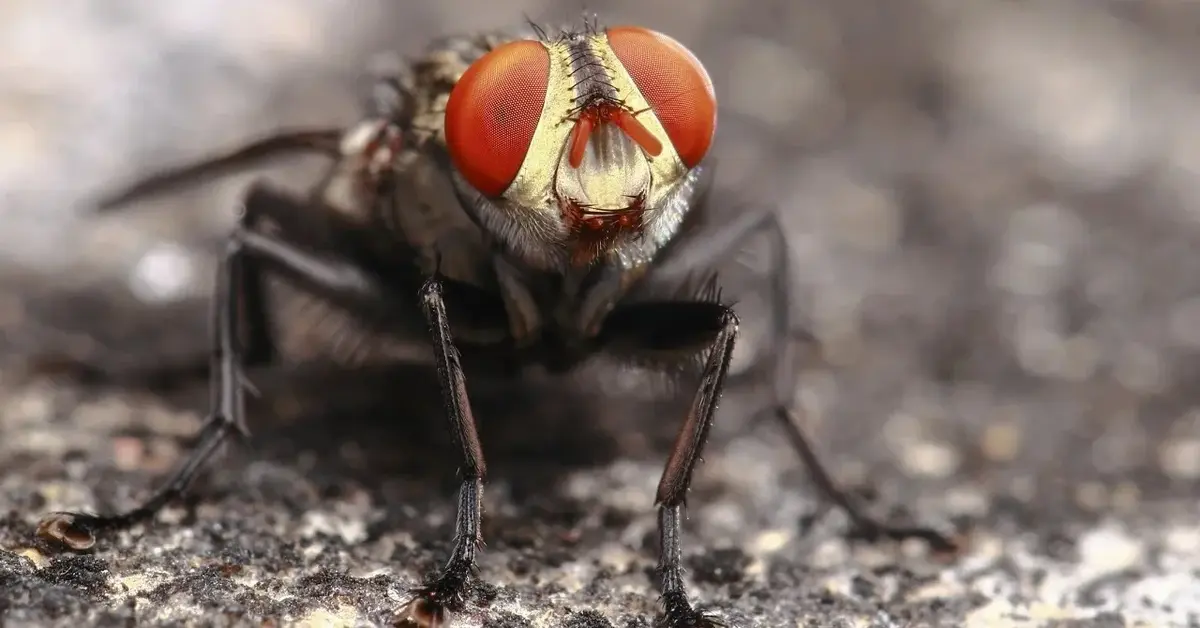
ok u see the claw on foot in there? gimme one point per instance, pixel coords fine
(430, 605)
(678, 613)
(421, 613)
(73, 530)
(953, 547)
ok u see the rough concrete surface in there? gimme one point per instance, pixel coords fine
(994, 213)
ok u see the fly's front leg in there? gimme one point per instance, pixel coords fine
(450, 589)
(677, 479)
(235, 327)
(671, 333)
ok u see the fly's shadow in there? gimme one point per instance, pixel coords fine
(386, 424)
(375, 426)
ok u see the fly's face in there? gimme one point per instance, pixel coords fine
(576, 144)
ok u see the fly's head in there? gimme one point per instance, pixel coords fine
(579, 145)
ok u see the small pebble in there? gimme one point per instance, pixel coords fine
(1180, 459)
(1184, 540)
(1091, 495)
(930, 459)
(128, 452)
(1126, 497)
(1109, 549)
(1001, 441)
(38, 559)
(770, 542)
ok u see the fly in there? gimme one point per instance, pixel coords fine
(503, 201)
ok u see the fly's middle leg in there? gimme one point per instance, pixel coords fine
(455, 583)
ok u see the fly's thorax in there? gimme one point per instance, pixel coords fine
(399, 193)
(373, 151)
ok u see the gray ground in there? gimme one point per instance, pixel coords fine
(994, 209)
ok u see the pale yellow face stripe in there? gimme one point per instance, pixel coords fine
(534, 183)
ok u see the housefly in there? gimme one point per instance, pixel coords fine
(506, 199)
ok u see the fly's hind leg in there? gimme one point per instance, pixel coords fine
(240, 334)
(721, 244)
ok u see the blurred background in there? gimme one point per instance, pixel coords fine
(994, 206)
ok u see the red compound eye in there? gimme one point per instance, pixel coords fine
(493, 111)
(674, 83)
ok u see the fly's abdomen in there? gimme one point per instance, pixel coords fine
(307, 328)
